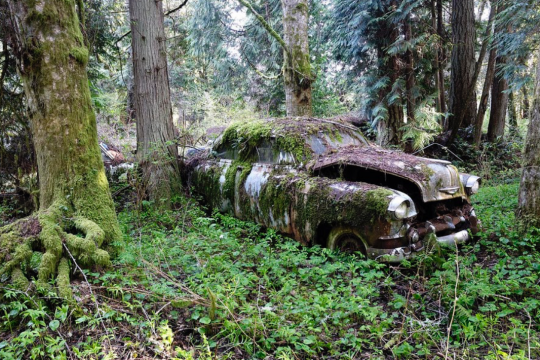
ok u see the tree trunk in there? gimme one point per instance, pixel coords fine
(74, 195)
(512, 113)
(481, 8)
(130, 101)
(499, 103)
(528, 211)
(525, 107)
(463, 64)
(482, 107)
(409, 71)
(436, 58)
(389, 131)
(499, 99)
(156, 151)
(441, 54)
(297, 69)
(471, 90)
(490, 73)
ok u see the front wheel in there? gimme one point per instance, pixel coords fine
(346, 239)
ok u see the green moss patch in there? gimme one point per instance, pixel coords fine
(361, 209)
(289, 135)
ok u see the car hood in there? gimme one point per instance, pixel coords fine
(436, 179)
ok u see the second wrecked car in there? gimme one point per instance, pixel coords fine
(321, 182)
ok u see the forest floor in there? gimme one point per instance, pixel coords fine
(189, 285)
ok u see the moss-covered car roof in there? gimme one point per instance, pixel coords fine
(301, 136)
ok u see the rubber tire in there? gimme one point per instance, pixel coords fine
(346, 239)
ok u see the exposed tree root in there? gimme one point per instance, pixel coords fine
(35, 246)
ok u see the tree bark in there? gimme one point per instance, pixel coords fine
(482, 107)
(156, 151)
(490, 73)
(74, 195)
(512, 113)
(463, 64)
(499, 99)
(389, 131)
(528, 210)
(409, 71)
(525, 107)
(499, 103)
(441, 54)
(436, 58)
(297, 66)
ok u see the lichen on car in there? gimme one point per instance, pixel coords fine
(321, 182)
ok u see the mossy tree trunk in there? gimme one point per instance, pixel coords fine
(157, 153)
(389, 127)
(76, 214)
(389, 130)
(528, 211)
(297, 66)
(297, 73)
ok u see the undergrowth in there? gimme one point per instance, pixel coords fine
(186, 285)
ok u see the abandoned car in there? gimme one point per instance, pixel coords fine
(321, 182)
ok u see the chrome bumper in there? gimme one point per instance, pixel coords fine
(454, 239)
(402, 253)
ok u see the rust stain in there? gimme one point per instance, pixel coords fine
(299, 199)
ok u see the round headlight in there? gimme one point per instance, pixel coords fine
(399, 208)
(471, 183)
(474, 189)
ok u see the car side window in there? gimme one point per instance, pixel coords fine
(268, 153)
(227, 152)
(265, 152)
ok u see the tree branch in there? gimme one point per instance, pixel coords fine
(260, 73)
(266, 25)
(176, 8)
(166, 14)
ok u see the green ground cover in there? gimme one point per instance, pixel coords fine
(186, 285)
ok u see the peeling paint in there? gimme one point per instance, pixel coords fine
(273, 182)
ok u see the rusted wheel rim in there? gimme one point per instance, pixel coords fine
(350, 243)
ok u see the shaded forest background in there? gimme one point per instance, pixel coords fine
(411, 72)
(445, 79)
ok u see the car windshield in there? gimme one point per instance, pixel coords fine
(323, 142)
(320, 136)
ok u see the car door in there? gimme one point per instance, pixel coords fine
(257, 198)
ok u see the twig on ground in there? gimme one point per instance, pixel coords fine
(25, 293)
(98, 309)
(529, 334)
(449, 329)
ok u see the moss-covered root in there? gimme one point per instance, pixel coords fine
(47, 233)
(62, 280)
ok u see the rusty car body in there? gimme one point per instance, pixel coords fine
(321, 182)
